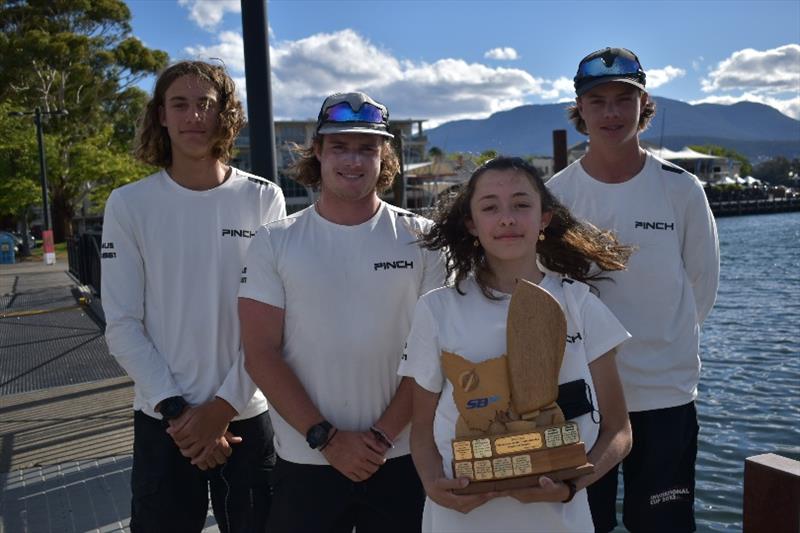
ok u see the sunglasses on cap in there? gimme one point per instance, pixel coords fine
(619, 66)
(342, 112)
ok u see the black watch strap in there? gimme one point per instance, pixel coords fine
(317, 435)
(172, 407)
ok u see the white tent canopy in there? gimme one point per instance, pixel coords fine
(684, 154)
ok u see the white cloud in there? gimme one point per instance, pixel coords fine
(770, 71)
(657, 77)
(503, 54)
(209, 13)
(697, 63)
(788, 106)
(305, 71)
(561, 89)
(230, 49)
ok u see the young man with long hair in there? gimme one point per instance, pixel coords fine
(662, 298)
(173, 249)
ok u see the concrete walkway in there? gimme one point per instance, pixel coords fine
(66, 424)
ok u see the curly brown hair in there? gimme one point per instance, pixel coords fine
(152, 140)
(571, 247)
(645, 117)
(306, 170)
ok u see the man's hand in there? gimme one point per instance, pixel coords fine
(547, 491)
(357, 455)
(440, 490)
(218, 455)
(200, 433)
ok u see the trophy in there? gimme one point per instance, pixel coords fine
(510, 430)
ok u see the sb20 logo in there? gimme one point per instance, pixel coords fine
(479, 403)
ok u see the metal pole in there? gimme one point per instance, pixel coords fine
(43, 170)
(559, 150)
(259, 89)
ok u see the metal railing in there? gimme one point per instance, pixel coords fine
(83, 252)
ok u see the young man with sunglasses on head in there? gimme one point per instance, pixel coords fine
(663, 297)
(173, 248)
(325, 307)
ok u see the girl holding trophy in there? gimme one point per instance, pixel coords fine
(501, 226)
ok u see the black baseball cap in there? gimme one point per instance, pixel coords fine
(607, 65)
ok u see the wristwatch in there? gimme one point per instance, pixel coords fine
(172, 407)
(317, 434)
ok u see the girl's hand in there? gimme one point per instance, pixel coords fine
(547, 491)
(441, 491)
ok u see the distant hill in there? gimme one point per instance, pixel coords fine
(756, 130)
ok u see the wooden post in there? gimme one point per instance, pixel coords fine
(771, 494)
(559, 150)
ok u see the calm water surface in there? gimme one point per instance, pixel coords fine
(749, 397)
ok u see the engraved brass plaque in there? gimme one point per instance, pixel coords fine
(462, 450)
(464, 470)
(552, 437)
(503, 467)
(518, 443)
(483, 470)
(570, 433)
(522, 465)
(482, 448)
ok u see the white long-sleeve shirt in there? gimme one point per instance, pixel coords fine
(171, 263)
(671, 282)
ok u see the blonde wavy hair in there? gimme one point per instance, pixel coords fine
(152, 140)
(306, 170)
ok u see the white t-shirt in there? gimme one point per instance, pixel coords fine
(474, 327)
(348, 293)
(671, 281)
(171, 262)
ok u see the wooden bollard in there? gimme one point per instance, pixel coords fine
(771, 494)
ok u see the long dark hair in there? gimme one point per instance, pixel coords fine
(153, 145)
(570, 247)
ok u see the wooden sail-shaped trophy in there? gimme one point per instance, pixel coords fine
(510, 430)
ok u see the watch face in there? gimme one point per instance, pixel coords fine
(317, 435)
(172, 407)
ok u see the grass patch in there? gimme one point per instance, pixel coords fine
(37, 254)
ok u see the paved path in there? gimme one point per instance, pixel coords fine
(66, 429)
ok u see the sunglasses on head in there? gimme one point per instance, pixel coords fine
(620, 66)
(342, 112)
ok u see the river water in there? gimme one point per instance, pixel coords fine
(749, 394)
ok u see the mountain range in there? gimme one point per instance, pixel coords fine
(758, 131)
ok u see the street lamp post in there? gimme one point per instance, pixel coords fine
(47, 233)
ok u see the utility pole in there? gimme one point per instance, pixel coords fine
(47, 232)
(259, 89)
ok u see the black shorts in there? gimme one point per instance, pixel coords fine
(318, 498)
(658, 475)
(171, 496)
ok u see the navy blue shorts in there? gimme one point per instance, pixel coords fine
(658, 475)
(319, 498)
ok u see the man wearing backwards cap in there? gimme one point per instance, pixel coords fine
(325, 305)
(663, 297)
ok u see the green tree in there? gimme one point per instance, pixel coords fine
(485, 156)
(18, 165)
(711, 149)
(80, 56)
(778, 171)
(435, 153)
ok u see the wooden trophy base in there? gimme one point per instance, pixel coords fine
(517, 460)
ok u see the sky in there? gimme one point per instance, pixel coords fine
(446, 60)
